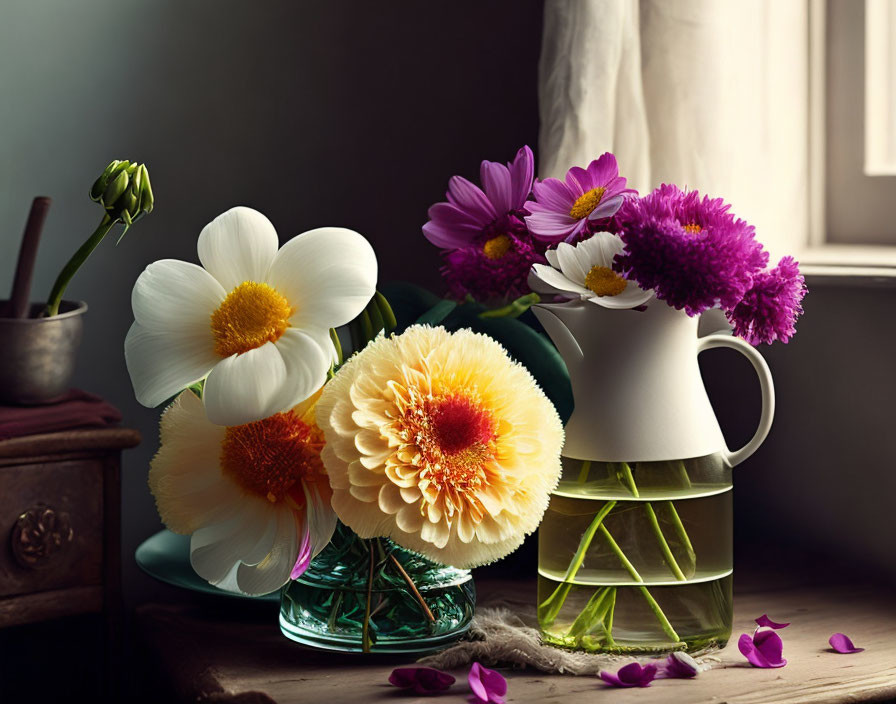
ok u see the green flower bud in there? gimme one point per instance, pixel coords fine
(124, 191)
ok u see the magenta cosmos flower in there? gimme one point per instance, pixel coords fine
(489, 687)
(564, 209)
(488, 248)
(769, 310)
(690, 250)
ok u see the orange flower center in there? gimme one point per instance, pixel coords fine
(497, 247)
(251, 315)
(271, 457)
(693, 228)
(455, 437)
(604, 281)
(586, 203)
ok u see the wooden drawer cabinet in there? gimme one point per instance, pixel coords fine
(60, 526)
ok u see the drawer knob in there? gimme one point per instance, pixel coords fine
(40, 533)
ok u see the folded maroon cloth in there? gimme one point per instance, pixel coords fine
(76, 409)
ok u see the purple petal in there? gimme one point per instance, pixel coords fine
(631, 675)
(304, 557)
(606, 208)
(498, 188)
(603, 170)
(470, 198)
(488, 686)
(423, 680)
(554, 195)
(551, 227)
(578, 181)
(680, 665)
(842, 644)
(765, 622)
(762, 650)
(522, 173)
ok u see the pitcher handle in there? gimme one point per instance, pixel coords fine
(766, 386)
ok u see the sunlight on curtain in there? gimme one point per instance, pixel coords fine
(710, 94)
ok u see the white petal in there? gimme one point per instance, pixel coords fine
(246, 387)
(321, 519)
(551, 256)
(555, 279)
(328, 275)
(162, 364)
(571, 263)
(306, 354)
(216, 548)
(238, 246)
(175, 296)
(599, 250)
(273, 572)
(631, 297)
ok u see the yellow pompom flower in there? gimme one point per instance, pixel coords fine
(442, 443)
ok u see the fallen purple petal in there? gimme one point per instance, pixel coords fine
(766, 622)
(421, 680)
(842, 644)
(632, 675)
(489, 687)
(764, 649)
(679, 665)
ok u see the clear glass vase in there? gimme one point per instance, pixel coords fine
(637, 557)
(374, 596)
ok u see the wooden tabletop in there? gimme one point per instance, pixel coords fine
(228, 650)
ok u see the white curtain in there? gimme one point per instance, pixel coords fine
(708, 94)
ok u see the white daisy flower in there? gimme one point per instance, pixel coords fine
(585, 270)
(254, 320)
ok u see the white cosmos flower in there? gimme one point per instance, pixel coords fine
(255, 497)
(586, 271)
(254, 320)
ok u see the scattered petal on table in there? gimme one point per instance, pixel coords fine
(763, 649)
(842, 644)
(631, 675)
(422, 680)
(489, 687)
(679, 665)
(766, 622)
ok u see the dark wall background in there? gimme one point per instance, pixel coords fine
(355, 114)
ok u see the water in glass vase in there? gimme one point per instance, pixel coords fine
(636, 557)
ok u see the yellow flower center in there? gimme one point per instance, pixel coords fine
(693, 228)
(251, 315)
(271, 457)
(604, 281)
(497, 247)
(586, 203)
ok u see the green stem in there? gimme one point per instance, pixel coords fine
(658, 612)
(683, 473)
(608, 623)
(514, 309)
(583, 472)
(681, 532)
(655, 525)
(551, 606)
(73, 264)
(595, 611)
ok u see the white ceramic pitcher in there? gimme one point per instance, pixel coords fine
(637, 387)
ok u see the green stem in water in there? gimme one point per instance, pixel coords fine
(583, 472)
(655, 525)
(551, 606)
(594, 612)
(608, 622)
(365, 629)
(658, 612)
(681, 532)
(73, 264)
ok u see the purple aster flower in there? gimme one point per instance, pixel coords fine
(842, 644)
(693, 252)
(496, 271)
(763, 649)
(564, 210)
(489, 687)
(421, 680)
(632, 675)
(769, 309)
(473, 216)
(679, 665)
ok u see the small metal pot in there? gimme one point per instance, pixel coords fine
(37, 355)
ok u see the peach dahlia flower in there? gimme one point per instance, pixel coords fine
(255, 497)
(440, 442)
